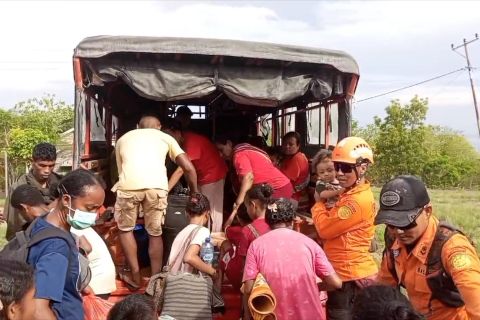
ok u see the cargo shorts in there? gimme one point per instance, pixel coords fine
(152, 202)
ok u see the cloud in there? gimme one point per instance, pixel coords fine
(396, 43)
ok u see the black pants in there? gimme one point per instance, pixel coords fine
(340, 302)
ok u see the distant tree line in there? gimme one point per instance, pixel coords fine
(26, 124)
(404, 144)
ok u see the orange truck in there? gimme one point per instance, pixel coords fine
(249, 88)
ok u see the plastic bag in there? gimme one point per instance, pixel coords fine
(96, 308)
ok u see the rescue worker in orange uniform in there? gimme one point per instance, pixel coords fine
(347, 229)
(435, 262)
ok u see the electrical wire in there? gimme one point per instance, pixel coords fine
(412, 85)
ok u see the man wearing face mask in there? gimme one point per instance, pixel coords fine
(79, 196)
(347, 229)
(41, 177)
(143, 184)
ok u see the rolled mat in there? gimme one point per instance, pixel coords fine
(262, 301)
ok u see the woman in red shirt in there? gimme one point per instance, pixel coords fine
(252, 166)
(295, 166)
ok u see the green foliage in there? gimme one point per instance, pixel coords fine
(403, 144)
(369, 133)
(28, 123)
(452, 160)
(398, 139)
(22, 142)
(52, 117)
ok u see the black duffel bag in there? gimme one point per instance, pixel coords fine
(176, 219)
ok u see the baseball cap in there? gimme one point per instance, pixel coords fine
(400, 201)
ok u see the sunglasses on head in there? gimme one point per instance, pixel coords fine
(345, 167)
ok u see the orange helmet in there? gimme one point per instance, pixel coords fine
(352, 150)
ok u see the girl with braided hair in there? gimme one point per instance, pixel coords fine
(198, 209)
(290, 262)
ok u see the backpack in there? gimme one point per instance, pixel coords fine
(18, 248)
(440, 283)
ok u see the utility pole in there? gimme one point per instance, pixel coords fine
(469, 67)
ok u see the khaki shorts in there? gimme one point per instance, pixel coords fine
(153, 203)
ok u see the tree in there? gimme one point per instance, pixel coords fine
(28, 123)
(398, 146)
(452, 161)
(21, 145)
(403, 144)
(49, 115)
(369, 133)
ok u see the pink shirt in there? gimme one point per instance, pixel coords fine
(247, 235)
(290, 262)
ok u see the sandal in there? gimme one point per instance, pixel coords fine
(131, 285)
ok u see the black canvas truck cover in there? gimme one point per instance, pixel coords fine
(249, 73)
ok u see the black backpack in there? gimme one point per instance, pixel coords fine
(439, 281)
(17, 249)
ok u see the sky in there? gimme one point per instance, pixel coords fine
(396, 44)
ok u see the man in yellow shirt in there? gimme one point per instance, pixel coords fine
(142, 182)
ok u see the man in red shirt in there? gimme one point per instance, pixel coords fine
(211, 169)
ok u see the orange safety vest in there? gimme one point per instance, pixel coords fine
(347, 230)
(458, 259)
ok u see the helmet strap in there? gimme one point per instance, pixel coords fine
(359, 176)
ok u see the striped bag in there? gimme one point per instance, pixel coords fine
(188, 296)
(185, 295)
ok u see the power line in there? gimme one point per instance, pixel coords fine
(412, 85)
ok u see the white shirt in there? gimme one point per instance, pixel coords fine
(179, 242)
(101, 263)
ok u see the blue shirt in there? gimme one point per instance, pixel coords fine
(56, 278)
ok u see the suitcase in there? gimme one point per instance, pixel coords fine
(176, 219)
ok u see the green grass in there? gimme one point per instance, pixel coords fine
(459, 207)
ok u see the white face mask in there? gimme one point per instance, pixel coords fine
(80, 219)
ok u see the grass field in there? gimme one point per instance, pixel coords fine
(459, 207)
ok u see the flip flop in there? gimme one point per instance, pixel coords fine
(131, 285)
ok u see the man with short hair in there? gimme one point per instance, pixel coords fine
(143, 183)
(29, 203)
(210, 167)
(40, 176)
(184, 116)
(433, 261)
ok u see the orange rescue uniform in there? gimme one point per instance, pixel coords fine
(347, 230)
(459, 260)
